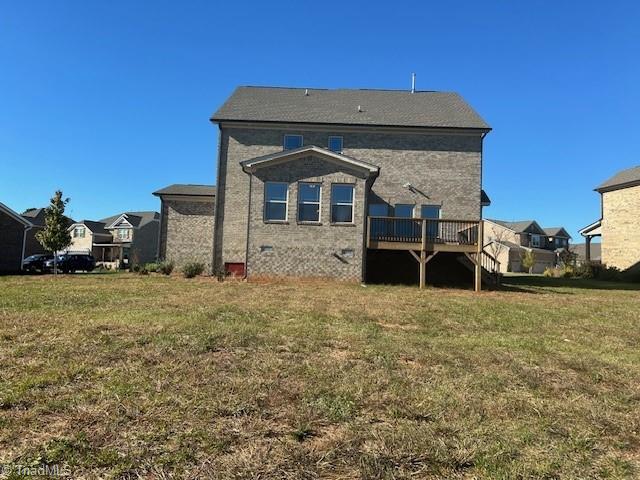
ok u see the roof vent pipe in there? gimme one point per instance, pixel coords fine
(359, 108)
(413, 83)
(306, 92)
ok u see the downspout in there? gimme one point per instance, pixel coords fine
(216, 210)
(246, 252)
(24, 244)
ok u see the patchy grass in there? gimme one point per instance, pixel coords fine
(123, 376)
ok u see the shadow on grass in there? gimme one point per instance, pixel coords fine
(520, 282)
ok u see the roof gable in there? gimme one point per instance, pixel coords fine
(16, 216)
(289, 155)
(521, 226)
(398, 108)
(557, 232)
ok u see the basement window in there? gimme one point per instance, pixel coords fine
(347, 252)
(266, 249)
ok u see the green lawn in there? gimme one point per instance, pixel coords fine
(151, 377)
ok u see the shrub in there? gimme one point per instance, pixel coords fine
(165, 267)
(549, 272)
(192, 269)
(151, 267)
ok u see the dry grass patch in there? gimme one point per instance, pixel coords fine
(121, 376)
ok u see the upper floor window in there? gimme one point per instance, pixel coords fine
(535, 240)
(430, 211)
(78, 232)
(404, 210)
(342, 203)
(276, 200)
(335, 144)
(292, 141)
(309, 202)
(124, 233)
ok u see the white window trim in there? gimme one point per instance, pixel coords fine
(341, 143)
(319, 203)
(78, 230)
(266, 202)
(284, 141)
(353, 205)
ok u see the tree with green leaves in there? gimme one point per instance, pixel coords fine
(528, 260)
(55, 235)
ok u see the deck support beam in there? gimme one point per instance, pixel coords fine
(422, 260)
(478, 269)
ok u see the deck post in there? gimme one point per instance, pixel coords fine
(423, 268)
(478, 269)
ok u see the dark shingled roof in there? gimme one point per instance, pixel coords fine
(187, 189)
(518, 227)
(136, 219)
(398, 108)
(556, 232)
(623, 179)
(95, 227)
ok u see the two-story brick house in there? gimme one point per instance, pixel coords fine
(508, 242)
(300, 171)
(129, 237)
(619, 224)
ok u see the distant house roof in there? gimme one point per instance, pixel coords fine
(16, 216)
(519, 226)
(187, 189)
(37, 217)
(397, 108)
(521, 248)
(136, 219)
(580, 250)
(624, 179)
(557, 232)
(302, 152)
(94, 227)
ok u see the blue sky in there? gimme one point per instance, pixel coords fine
(110, 100)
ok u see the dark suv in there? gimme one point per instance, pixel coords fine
(35, 263)
(72, 262)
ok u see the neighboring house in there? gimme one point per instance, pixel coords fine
(324, 183)
(509, 241)
(186, 223)
(580, 250)
(129, 237)
(619, 224)
(13, 234)
(37, 218)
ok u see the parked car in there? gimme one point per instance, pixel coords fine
(36, 263)
(73, 262)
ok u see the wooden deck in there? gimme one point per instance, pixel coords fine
(424, 238)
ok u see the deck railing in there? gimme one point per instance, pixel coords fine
(423, 230)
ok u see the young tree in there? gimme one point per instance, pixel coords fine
(55, 236)
(528, 260)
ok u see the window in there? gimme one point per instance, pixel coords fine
(266, 248)
(309, 202)
(335, 144)
(403, 210)
(430, 211)
(78, 232)
(347, 253)
(342, 203)
(535, 240)
(276, 199)
(378, 210)
(123, 233)
(292, 141)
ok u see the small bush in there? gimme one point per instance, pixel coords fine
(151, 267)
(165, 267)
(142, 270)
(549, 272)
(192, 269)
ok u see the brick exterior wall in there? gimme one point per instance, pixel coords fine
(11, 241)
(444, 169)
(187, 231)
(621, 228)
(305, 250)
(144, 244)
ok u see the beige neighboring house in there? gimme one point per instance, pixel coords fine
(122, 239)
(508, 242)
(619, 224)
